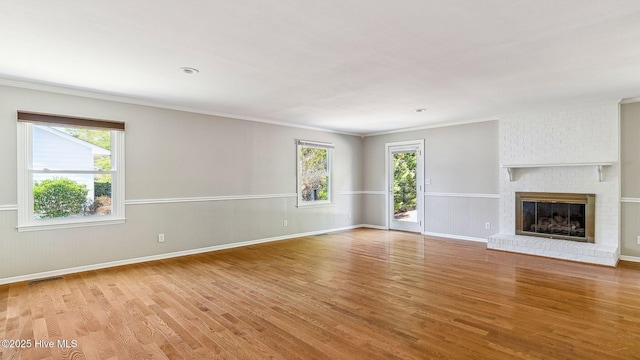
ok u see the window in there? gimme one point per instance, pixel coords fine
(314, 173)
(70, 172)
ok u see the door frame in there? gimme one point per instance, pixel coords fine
(419, 143)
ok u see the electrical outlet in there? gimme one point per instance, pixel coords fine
(285, 223)
(427, 181)
(638, 240)
(350, 216)
(160, 238)
(487, 226)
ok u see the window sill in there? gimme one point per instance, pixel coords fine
(69, 225)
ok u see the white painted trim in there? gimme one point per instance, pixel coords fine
(457, 237)
(118, 180)
(630, 258)
(24, 177)
(374, 192)
(419, 146)
(8, 207)
(370, 226)
(630, 100)
(619, 176)
(630, 200)
(605, 163)
(598, 165)
(110, 264)
(26, 221)
(60, 89)
(329, 148)
(463, 195)
(351, 193)
(207, 198)
(362, 192)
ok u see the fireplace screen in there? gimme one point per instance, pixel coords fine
(556, 216)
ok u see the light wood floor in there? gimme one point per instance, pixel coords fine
(362, 294)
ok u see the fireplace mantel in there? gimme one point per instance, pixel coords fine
(511, 167)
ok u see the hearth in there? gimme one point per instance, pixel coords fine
(565, 216)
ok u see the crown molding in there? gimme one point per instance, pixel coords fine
(434, 126)
(92, 94)
(630, 100)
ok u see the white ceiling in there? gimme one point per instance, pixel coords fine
(356, 66)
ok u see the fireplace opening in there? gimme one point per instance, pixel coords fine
(563, 216)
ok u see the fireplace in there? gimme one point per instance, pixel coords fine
(565, 216)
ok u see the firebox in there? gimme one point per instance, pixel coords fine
(565, 216)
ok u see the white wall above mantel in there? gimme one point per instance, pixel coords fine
(569, 151)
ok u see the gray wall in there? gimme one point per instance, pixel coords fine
(630, 175)
(462, 163)
(173, 154)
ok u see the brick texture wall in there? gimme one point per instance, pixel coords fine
(582, 135)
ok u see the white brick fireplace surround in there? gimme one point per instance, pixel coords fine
(558, 152)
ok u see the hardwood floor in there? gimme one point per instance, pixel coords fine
(362, 294)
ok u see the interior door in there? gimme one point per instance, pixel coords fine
(405, 184)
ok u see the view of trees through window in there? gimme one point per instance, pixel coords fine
(404, 182)
(314, 174)
(76, 190)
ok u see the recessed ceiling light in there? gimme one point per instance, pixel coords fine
(421, 110)
(189, 70)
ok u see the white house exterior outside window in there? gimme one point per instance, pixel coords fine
(70, 172)
(314, 173)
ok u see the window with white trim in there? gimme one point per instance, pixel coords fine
(70, 171)
(314, 173)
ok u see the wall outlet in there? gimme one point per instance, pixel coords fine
(285, 223)
(350, 216)
(487, 225)
(638, 240)
(427, 181)
(160, 237)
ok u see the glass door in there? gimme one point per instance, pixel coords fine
(405, 186)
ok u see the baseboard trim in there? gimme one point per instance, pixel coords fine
(630, 258)
(457, 237)
(111, 264)
(379, 227)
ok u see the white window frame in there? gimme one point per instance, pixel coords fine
(26, 221)
(318, 145)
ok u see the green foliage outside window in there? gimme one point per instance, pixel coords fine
(59, 197)
(315, 179)
(102, 189)
(404, 181)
